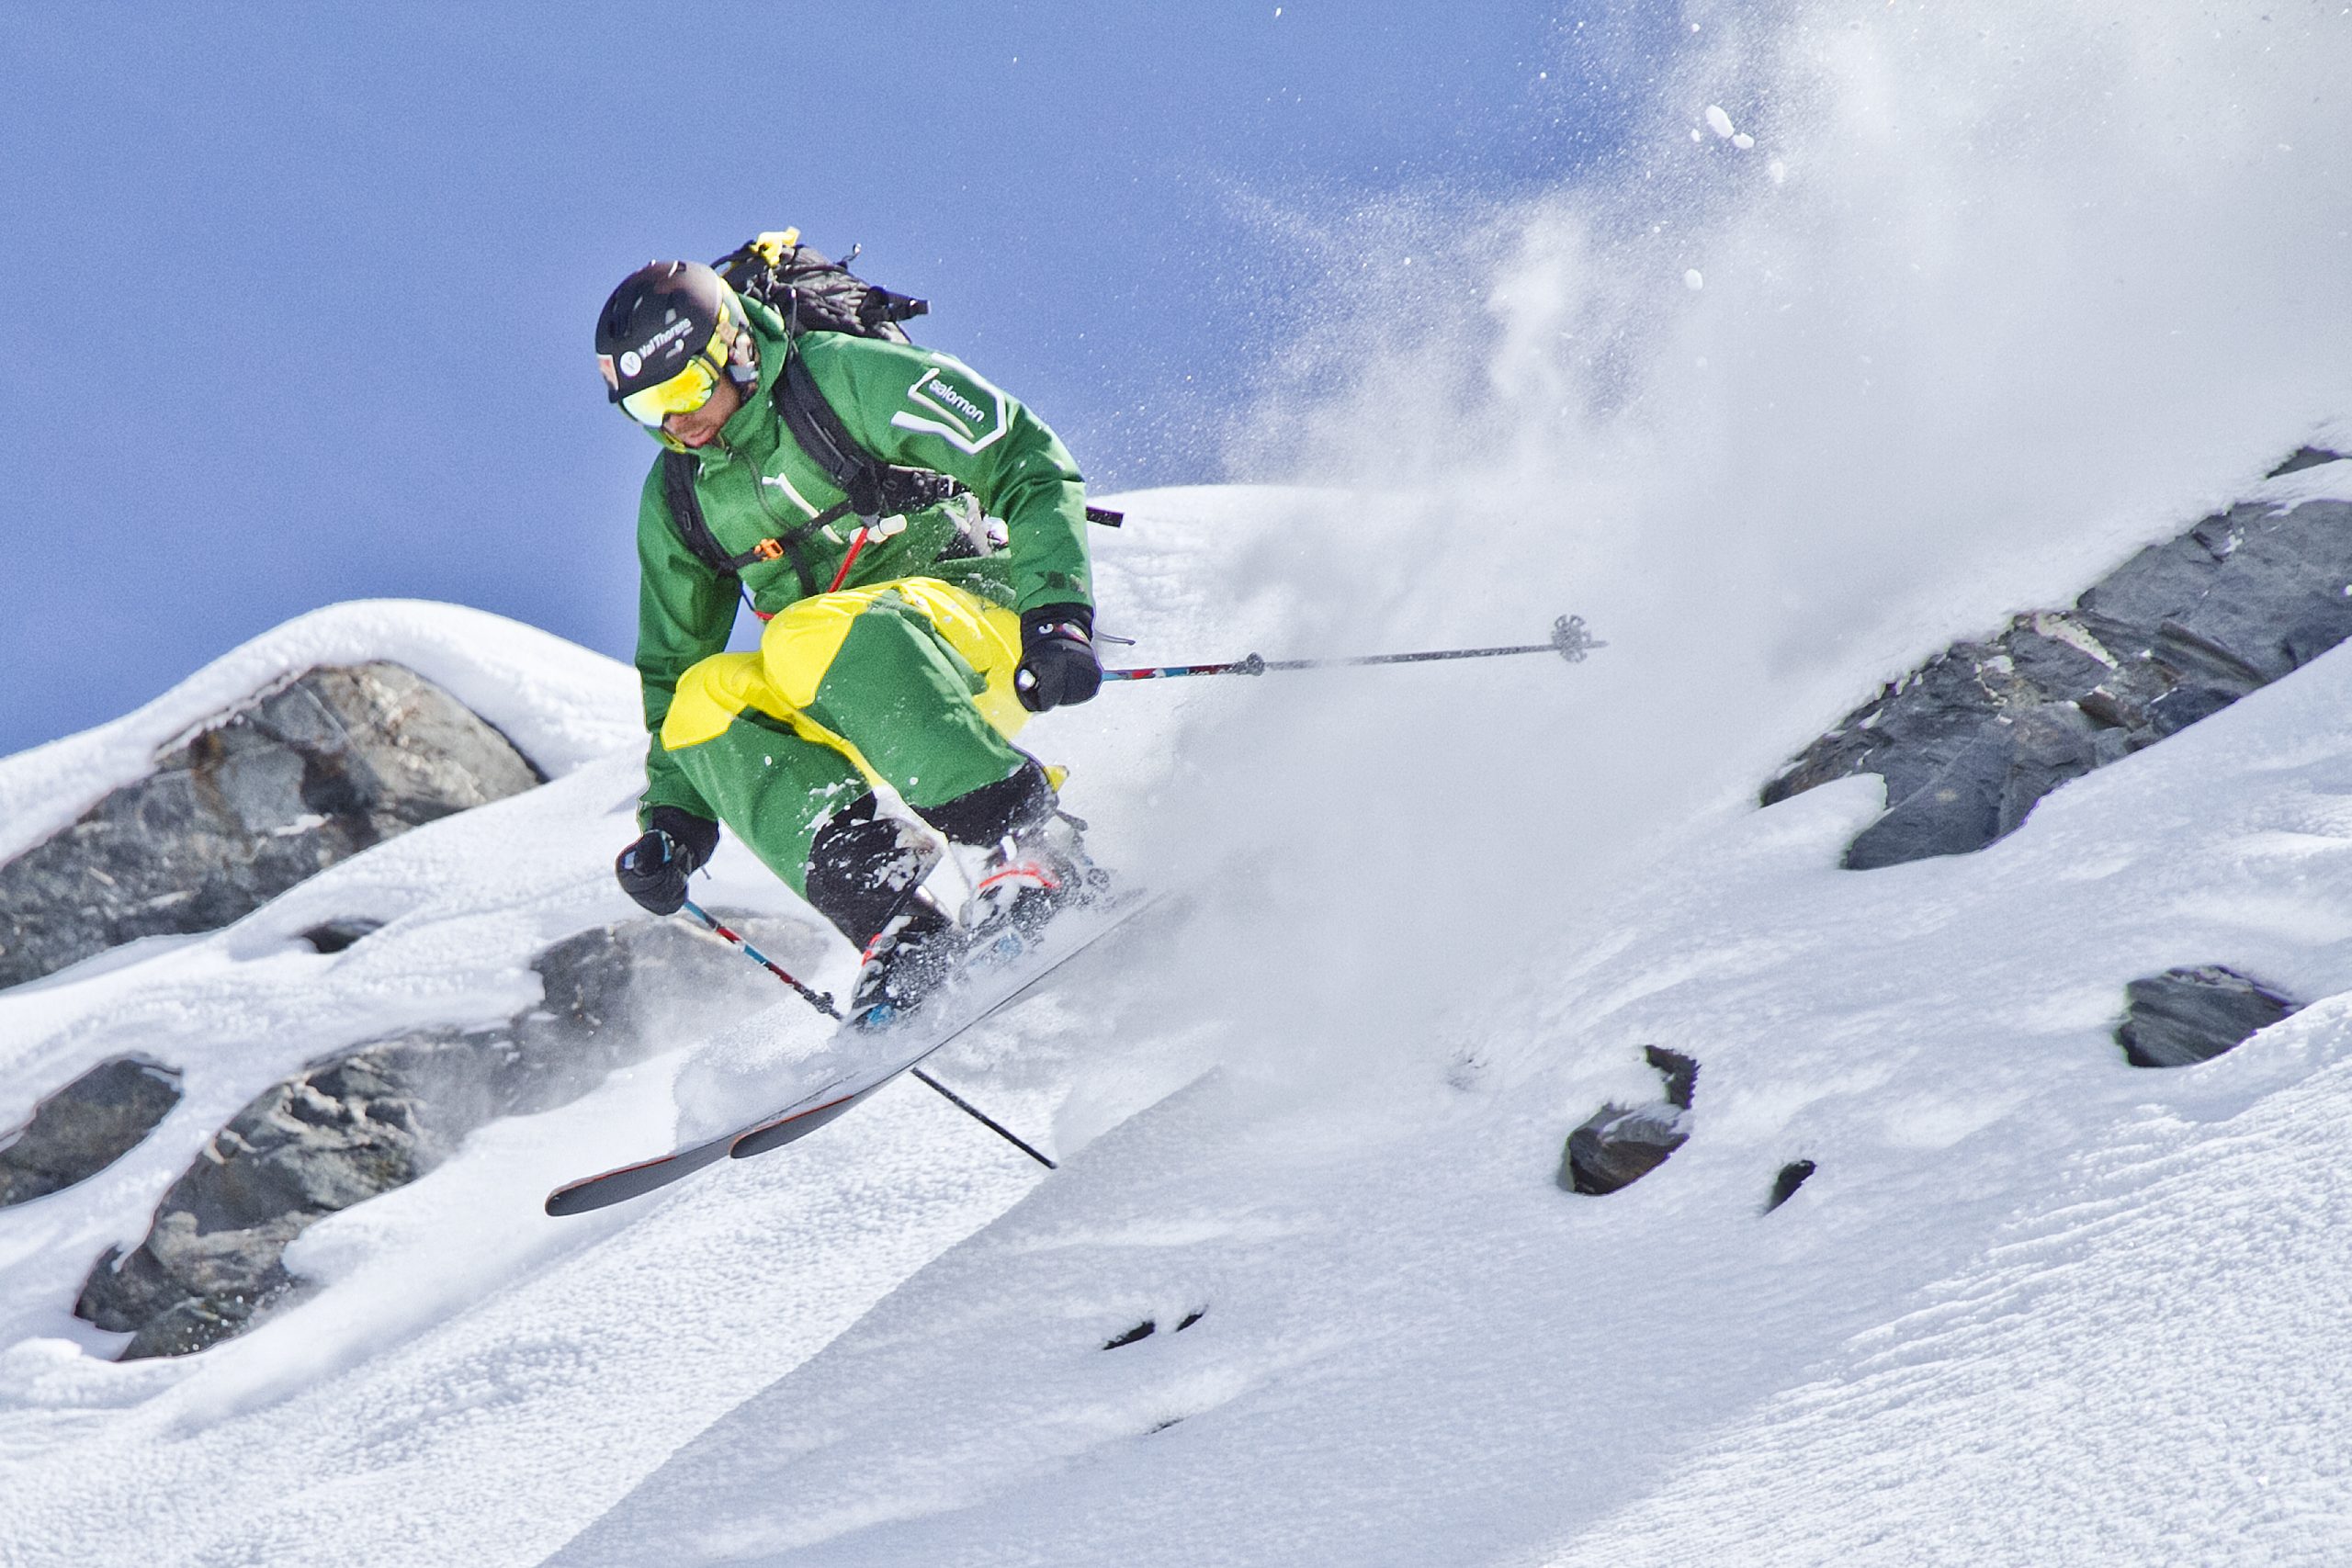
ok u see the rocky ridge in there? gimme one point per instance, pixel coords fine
(1967, 742)
(379, 1116)
(309, 773)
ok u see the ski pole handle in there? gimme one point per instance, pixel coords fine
(821, 1001)
(1251, 665)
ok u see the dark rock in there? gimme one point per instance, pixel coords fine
(1615, 1148)
(1969, 742)
(185, 1328)
(1956, 811)
(1150, 1327)
(2184, 706)
(85, 1126)
(1681, 1072)
(1985, 792)
(2185, 1016)
(336, 935)
(311, 774)
(1784, 1186)
(2305, 458)
(382, 1115)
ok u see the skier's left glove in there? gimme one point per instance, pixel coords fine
(653, 871)
(1057, 662)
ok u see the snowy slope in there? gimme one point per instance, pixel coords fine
(2035, 1304)
(359, 1416)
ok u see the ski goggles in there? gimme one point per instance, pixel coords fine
(689, 389)
(693, 385)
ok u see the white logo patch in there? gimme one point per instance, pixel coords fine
(964, 421)
(663, 339)
(632, 362)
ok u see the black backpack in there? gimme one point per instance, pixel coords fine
(815, 294)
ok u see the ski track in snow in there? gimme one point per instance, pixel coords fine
(2034, 1306)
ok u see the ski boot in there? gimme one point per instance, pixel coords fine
(1029, 877)
(918, 953)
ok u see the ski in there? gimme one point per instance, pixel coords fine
(978, 999)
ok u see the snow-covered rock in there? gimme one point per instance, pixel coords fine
(1616, 1146)
(86, 1127)
(2189, 1015)
(373, 1118)
(1970, 741)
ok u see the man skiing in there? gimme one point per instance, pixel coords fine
(907, 638)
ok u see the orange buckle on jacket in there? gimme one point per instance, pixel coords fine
(768, 549)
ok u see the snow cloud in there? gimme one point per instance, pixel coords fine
(1991, 296)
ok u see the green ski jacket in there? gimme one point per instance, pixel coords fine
(908, 406)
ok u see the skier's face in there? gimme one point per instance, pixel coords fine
(701, 427)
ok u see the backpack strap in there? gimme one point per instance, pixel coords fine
(855, 472)
(871, 489)
(685, 514)
(874, 488)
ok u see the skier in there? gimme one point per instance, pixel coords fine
(906, 648)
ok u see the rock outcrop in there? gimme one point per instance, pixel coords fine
(1615, 1148)
(1791, 1175)
(1971, 740)
(2185, 1016)
(86, 1127)
(311, 774)
(378, 1116)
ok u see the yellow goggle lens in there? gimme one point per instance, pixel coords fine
(682, 393)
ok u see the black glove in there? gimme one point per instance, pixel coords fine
(653, 871)
(1057, 662)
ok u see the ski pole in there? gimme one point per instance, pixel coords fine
(977, 1114)
(1570, 640)
(823, 1002)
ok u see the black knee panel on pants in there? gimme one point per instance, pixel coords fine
(863, 867)
(993, 811)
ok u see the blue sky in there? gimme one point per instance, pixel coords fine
(302, 300)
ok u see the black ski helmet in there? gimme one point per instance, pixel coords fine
(661, 317)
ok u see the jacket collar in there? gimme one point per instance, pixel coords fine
(753, 425)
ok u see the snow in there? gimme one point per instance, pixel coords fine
(1405, 1320)
(886, 1343)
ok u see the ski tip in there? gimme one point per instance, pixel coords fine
(593, 1193)
(565, 1201)
(790, 1129)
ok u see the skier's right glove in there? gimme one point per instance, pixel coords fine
(675, 844)
(1057, 662)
